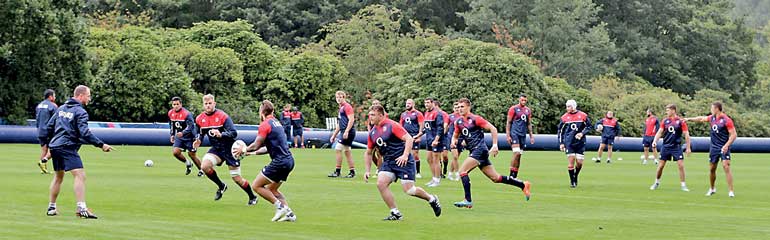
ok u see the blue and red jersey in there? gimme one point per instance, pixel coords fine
(520, 118)
(571, 124)
(386, 137)
(434, 124)
(651, 126)
(471, 128)
(672, 134)
(610, 127)
(275, 140)
(297, 120)
(720, 130)
(217, 120)
(286, 118)
(181, 121)
(343, 120)
(411, 121)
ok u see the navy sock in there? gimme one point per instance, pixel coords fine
(215, 178)
(511, 181)
(445, 163)
(514, 172)
(572, 176)
(247, 188)
(466, 186)
(418, 166)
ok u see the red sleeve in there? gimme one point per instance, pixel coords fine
(401, 119)
(348, 109)
(420, 117)
(481, 122)
(399, 130)
(457, 128)
(729, 123)
(198, 121)
(662, 124)
(369, 143)
(169, 114)
(511, 112)
(684, 127)
(264, 129)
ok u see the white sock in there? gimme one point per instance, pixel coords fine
(657, 181)
(278, 205)
(435, 179)
(82, 205)
(52, 204)
(432, 198)
(684, 185)
(395, 211)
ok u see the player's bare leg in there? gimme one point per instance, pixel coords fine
(729, 177)
(53, 192)
(495, 177)
(680, 165)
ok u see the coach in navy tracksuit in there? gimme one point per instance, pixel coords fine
(68, 129)
(43, 112)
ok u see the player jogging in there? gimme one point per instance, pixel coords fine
(472, 127)
(219, 128)
(393, 143)
(272, 140)
(434, 132)
(183, 134)
(518, 123)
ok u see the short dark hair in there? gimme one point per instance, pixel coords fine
(173, 99)
(718, 105)
(267, 107)
(522, 95)
(378, 108)
(464, 100)
(432, 100)
(48, 93)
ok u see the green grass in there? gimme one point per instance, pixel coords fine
(612, 202)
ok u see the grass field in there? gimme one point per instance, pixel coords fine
(613, 201)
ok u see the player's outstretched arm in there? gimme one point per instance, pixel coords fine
(698, 119)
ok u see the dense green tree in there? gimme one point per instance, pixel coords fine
(41, 46)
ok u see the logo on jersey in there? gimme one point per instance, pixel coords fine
(671, 129)
(715, 128)
(408, 120)
(573, 126)
(178, 125)
(466, 132)
(380, 142)
(67, 115)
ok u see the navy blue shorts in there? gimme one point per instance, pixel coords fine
(184, 144)
(671, 154)
(716, 154)
(458, 146)
(481, 154)
(43, 141)
(278, 172)
(297, 132)
(416, 145)
(66, 158)
(647, 141)
(576, 147)
(346, 141)
(226, 157)
(440, 147)
(407, 172)
(608, 140)
(521, 140)
(287, 131)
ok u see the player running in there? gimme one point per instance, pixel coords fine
(68, 130)
(472, 127)
(610, 129)
(346, 122)
(271, 140)
(183, 133)
(393, 143)
(412, 120)
(518, 123)
(573, 127)
(219, 128)
(43, 112)
(723, 135)
(651, 125)
(671, 130)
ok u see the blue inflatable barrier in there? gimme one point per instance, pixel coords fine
(160, 137)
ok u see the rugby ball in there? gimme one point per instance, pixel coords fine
(148, 163)
(238, 144)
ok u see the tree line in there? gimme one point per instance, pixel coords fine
(622, 56)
